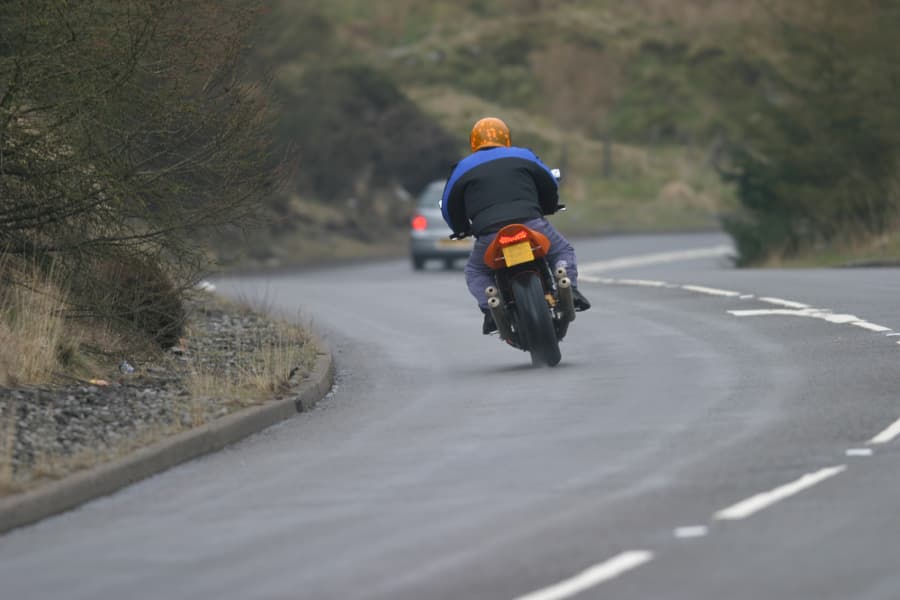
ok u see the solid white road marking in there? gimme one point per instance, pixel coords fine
(860, 452)
(691, 531)
(871, 326)
(839, 319)
(762, 312)
(710, 291)
(592, 577)
(658, 258)
(888, 434)
(814, 313)
(785, 303)
(642, 282)
(756, 503)
(790, 308)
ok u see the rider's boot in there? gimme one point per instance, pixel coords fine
(581, 303)
(488, 326)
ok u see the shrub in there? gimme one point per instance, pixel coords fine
(816, 143)
(31, 324)
(354, 120)
(136, 292)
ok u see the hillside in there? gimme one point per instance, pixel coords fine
(377, 97)
(658, 112)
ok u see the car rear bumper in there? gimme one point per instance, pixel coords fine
(431, 247)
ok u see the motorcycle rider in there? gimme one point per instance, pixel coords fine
(499, 184)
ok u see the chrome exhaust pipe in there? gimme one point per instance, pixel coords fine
(566, 300)
(498, 313)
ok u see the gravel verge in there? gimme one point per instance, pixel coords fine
(63, 445)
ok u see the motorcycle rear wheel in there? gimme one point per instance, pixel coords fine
(535, 325)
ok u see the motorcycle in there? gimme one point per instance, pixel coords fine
(531, 303)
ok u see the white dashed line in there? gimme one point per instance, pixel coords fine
(658, 258)
(756, 503)
(785, 303)
(838, 319)
(710, 291)
(788, 308)
(813, 313)
(764, 312)
(592, 577)
(888, 434)
(871, 326)
(859, 452)
(642, 282)
(629, 560)
(592, 279)
(691, 531)
(746, 508)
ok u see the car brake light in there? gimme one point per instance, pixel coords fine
(419, 223)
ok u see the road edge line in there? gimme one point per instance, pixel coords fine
(592, 576)
(758, 502)
(82, 486)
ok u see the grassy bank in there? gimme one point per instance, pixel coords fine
(660, 188)
(76, 390)
(883, 251)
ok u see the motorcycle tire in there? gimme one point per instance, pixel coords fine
(535, 324)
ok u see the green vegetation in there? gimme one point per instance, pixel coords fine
(129, 130)
(816, 142)
(138, 140)
(569, 78)
(776, 119)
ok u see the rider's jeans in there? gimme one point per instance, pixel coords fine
(479, 276)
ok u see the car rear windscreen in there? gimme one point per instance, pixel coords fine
(431, 197)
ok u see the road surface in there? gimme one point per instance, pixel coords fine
(710, 433)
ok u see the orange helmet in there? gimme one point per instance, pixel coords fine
(488, 132)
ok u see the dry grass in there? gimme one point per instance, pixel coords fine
(32, 325)
(39, 345)
(253, 367)
(663, 188)
(229, 367)
(235, 367)
(7, 445)
(882, 250)
(48, 466)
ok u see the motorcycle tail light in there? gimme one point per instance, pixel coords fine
(419, 223)
(519, 236)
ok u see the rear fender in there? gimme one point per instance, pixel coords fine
(493, 256)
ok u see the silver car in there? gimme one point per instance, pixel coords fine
(429, 234)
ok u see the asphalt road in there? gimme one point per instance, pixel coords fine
(710, 433)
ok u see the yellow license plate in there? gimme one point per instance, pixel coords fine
(518, 254)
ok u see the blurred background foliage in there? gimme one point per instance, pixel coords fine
(775, 119)
(129, 132)
(142, 140)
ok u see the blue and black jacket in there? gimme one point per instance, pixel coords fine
(494, 187)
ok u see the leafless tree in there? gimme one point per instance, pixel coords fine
(127, 128)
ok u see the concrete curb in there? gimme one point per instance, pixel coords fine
(78, 488)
